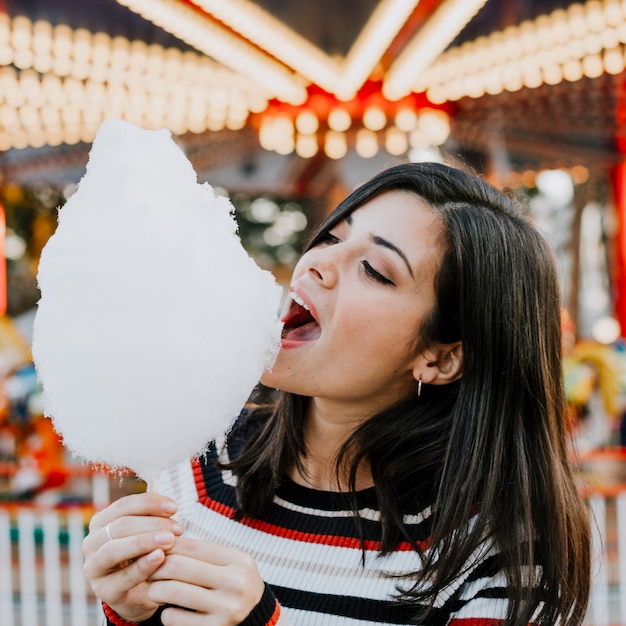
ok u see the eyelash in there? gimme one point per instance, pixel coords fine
(330, 239)
(377, 276)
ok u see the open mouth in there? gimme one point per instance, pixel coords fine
(299, 324)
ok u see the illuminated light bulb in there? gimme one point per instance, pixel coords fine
(366, 143)
(42, 36)
(595, 16)
(306, 146)
(454, 91)
(335, 145)
(396, 142)
(42, 63)
(592, 66)
(592, 43)
(285, 145)
(620, 32)
(374, 118)
(572, 71)
(474, 86)
(5, 29)
(267, 136)
(235, 123)
(339, 120)
(283, 126)
(20, 140)
(435, 125)
(606, 330)
(552, 74)
(23, 59)
(513, 81)
(307, 122)
(576, 20)
(437, 95)
(418, 139)
(528, 40)
(8, 117)
(609, 38)
(216, 124)
(62, 66)
(612, 12)
(560, 30)
(406, 119)
(579, 174)
(6, 55)
(14, 98)
(21, 34)
(614, 61)
(29, 117)
(532, 77)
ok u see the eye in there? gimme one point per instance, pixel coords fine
(375, 275)
(328, 238)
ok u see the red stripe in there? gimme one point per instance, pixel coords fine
(475, 621)
(114, 618)
(275, 616)
(279, 531)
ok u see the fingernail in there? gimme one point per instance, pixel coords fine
(164, 538)
(155, 556)
(169, 507)
(177, 528)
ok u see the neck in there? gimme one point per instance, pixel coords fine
(325, 433)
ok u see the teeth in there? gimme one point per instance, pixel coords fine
(296, 298)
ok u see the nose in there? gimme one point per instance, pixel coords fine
(322, 265)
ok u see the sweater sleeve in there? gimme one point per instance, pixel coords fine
(266, 613)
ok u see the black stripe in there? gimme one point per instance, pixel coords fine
(345, 606)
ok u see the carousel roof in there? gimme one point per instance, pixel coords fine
(521, 83)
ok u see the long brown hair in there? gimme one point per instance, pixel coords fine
(491, 446)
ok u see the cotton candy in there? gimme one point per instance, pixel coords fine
(154, 324)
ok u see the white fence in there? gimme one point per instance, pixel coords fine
(42, 581)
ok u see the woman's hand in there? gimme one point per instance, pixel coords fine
(221, 585)
(126, 544)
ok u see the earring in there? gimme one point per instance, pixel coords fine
(419, 387)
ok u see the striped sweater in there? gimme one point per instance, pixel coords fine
(310, 555)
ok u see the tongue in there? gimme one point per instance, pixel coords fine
(307, 332)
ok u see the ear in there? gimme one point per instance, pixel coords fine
(439, 365)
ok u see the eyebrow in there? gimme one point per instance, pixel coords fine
(380, 241)
(387, 244)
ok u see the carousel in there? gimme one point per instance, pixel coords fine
(286, 106)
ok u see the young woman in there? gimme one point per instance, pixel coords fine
(412, 466)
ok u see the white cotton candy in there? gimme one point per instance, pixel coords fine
(154, 324)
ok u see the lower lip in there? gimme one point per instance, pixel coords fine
(287, 344)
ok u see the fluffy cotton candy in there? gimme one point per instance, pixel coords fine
(154, 324)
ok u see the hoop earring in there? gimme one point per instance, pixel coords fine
(419, 387)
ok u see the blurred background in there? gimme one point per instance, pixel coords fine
(284, 107)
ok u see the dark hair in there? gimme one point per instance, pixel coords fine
(491, 446)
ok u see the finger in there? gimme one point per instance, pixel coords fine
(189, 570)
(112, 554)
(181, 594)
(173, 616)
(115, 586)
(214, 553)
(127, 526)
(153, 504)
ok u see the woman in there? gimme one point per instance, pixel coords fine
(413, 465)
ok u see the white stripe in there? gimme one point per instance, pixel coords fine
(365, 513)
(302, 565)
(484, 608)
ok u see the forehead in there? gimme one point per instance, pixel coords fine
(405, 220)
(400, 212)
